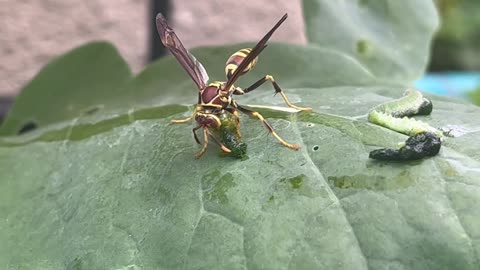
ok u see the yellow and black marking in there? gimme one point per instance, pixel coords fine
(236, 59)
(213, 96)
(217, 84)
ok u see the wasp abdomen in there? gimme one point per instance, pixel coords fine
(236, 59)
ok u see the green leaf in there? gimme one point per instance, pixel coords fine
(133, 195)
(390, 38)
(117, 188)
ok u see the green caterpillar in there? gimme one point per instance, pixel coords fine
(424, 140)
(230, 137)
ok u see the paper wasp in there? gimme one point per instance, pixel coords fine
(215, 98)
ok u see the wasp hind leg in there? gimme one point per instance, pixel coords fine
(277, 88)
(267, 126)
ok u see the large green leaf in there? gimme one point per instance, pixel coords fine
(390, 38)
(117, 187)
(133, 195)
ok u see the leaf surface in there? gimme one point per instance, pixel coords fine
(118, 188)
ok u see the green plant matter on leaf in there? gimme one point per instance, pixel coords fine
(229, 135)
(118, 188)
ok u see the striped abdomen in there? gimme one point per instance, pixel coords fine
(234, 61)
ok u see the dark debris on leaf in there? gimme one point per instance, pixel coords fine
(27, 127)
(424, 144)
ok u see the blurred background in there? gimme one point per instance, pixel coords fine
(454, 68)
(33, 32)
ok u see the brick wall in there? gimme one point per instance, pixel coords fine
(35, 31)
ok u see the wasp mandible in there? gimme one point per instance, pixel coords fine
(215, 98)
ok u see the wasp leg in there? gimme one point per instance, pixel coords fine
(195, 134)
(267, 126)
(205, 144)
(207, 133)
(234, 112)
(188, 119)
(222, 146)
(277, 88)
(181, 121)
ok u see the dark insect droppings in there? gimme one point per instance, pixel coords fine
(27, 127)
(92, 110)
(424, 144)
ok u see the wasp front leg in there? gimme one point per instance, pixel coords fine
(222, 146)
(277, 88)
(266, 125)
(188, 119)
(206, 134)
(205, 144)
(194, 130)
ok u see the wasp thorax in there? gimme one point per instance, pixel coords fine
(209, 94)
(208, 120)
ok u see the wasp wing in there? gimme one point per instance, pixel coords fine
(253, 53)
(171, 41)
(200, 70)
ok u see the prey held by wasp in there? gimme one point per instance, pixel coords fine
(215, 98)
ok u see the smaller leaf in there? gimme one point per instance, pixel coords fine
(390, 38)
(77, 83)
